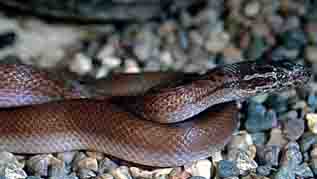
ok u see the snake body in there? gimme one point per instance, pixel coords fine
(155, 119)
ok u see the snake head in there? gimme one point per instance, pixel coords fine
(264, 77)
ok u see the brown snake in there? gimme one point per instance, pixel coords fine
(42, 115)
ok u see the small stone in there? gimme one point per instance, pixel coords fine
(12, 172)
(81, 64)
(264, 170)
(254, 176)
(105, 52)
(284, 173)
(307, 140)
(196, 177)
(227, 168)
(241, 140)
(88, 163)
(9, 158)
(58, 168)
(121, 172)
(105, 176)
(304, 171)
(294, 128)
(313, 155)
(85, 173)
(130, 66)
(216, 42)
(312, 101)
(277, 138)
(138, 173)
(155, 174)
(269, 155)
(201, 168)
(111, 62)
(259, 138)
(259, 119)
(311, 54)
(66, 157)
(96, 155)
(166, 58)
(312, 122)
(252, 8)
(292, 155)
(106, 165)
(39, 164)
(243, 159)
(179, 173)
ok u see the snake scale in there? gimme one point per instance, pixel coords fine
(156, 119)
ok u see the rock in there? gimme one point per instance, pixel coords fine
(307, 140)
(201, 168)
(66, 157)
(155, 174)
(313, 155)
(227, 168)
(105, 176)
(106, 165)
(304, 171)
(269, 155)
(88, 163)
(121, 172)
(264, 170)
(85, 173)
(294, 128)
(277, 138)
(179, 173)
(312, 122)
(292, 155)
(243, 159)
(81, 64)
(216, 42)
(241, 140)
(259, 119)
(259, 138)
(252, 8)
(284, 173)
(131, 66)
(39, 164)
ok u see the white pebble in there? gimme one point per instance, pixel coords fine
(81, 64)
(201, 168)
(131, 66)
(252, 8)
(121, 173)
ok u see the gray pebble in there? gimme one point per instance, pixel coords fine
(38, 164)
(307, 140)
(294, 128)
(227, 168)
(264, 170)
(106, 165)
(269, 155)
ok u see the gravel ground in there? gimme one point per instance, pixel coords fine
(278, 132)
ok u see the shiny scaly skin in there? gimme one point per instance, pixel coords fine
(127, 124)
